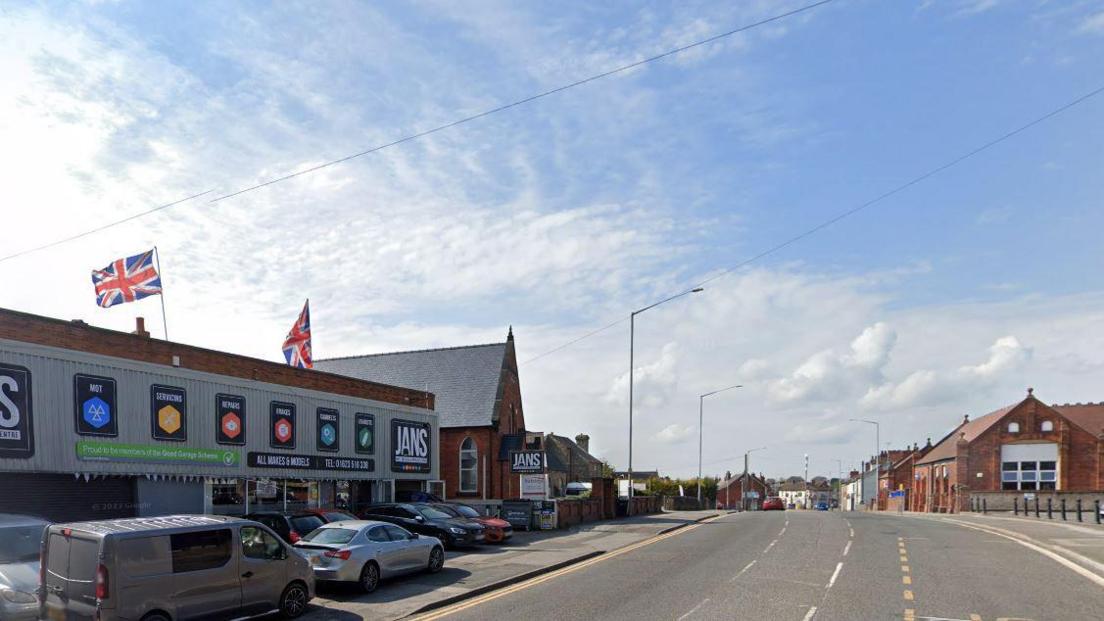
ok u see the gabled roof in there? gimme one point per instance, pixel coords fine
(947, 449)
(564, 455)
(1088, 416)
(465, 380)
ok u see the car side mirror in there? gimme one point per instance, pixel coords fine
(418, 518)
(413, 536)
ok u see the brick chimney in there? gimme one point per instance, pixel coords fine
(140, 327)
(583, 440)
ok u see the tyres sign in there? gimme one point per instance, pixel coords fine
(410, 446)
(365, 433)
(329, 430)
(169, 413)
(281, 427)
(230, 419)
(94, 404)
(16, 430)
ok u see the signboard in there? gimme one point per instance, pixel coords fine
(365, 428)
(534, 486)
(526, 462)
(230, 419)
(266, 488)
(169, 413)
(16, 428)
(897, 494)
(310, 462)
(518, 513)
(92, 450)
(752, 494)
(94, 405)
(410, 446)
(281, 427)
(329, 428)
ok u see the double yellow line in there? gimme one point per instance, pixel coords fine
(483, 599)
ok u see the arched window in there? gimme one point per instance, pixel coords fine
(1047, 425)
(469, 466)
(1013, 428)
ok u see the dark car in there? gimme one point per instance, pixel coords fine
(424, 519)
(497, 530)
(291, 527)
(822, 506)
(331, 515)
(774, 504)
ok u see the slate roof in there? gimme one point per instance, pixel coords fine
(464, 380)
(564, 455)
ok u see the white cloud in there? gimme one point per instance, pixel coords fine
(1093, 24)
(828, 375)
(653, 383)
(675, 434)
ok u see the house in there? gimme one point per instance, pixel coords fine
(1029, 447)
(569, 462)
(478, 403)
(887, 482)
(750, 486)
(794, 494)
(895, 484)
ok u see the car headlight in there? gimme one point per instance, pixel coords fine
(18, 597)
(456, 531)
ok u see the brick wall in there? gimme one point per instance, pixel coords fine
(79, 336)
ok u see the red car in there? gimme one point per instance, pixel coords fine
(331, 515)
(773, 504)
(496, 530)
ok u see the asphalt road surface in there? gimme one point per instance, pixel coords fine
(805, 566)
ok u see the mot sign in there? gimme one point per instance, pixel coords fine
(527, 462)
(410, 446)
(16, 430)
(94, 404)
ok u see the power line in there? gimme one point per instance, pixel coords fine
(854, 210)
(439, 128)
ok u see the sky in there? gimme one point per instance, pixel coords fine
(563, 215)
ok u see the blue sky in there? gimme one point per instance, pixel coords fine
(562, 215)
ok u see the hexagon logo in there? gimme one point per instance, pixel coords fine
(169, 419)
(96, 412)
(283, 430)
(231, 425)
(329, 434)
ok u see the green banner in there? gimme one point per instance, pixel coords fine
(112, 451)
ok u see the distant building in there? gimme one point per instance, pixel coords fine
(569, 462)
(753, 488)
(794, 494)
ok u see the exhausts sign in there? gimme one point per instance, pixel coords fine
(410, 444)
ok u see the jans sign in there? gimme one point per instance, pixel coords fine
(527, 462)
(310, 462)
(16, 430)
(89, 450)
(410, 446)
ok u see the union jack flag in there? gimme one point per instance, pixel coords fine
(297, 346)
(127, 280)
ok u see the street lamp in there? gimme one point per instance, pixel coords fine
(701, 402)
(632, 339)
(877, 455)
(743, 481)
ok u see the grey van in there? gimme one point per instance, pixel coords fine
(170, 568)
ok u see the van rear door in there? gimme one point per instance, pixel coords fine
(70, 587)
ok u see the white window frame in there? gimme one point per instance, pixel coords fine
(1046, 425)
(474, 469)
(1013, 427)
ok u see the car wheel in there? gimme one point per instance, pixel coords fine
(436, 560)
(156, 616)
(294, 601)
(369, 577)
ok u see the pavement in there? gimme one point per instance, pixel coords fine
(821, 566)
(484, 567)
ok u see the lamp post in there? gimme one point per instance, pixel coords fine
(877, 456)
(701, 406)
(632, 340)
(743, 481)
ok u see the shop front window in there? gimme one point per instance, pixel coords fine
(228, 497)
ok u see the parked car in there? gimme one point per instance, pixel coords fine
(424, 519)
(20, 538)
(496, 530)
(291, 527)
(331, 515)
(173, 567)
(416, 496)
(366, 551)
(774, 504)
(821, 506)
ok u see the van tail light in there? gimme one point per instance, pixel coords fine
(294, 537)
(101, 582)
(341, 554)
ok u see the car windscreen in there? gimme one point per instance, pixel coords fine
(304, 524)
(467, 511)
(338, 516)
(330, 535)
(19, 544)
(430, 513)
(453, 511)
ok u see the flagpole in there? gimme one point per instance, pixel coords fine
(161, 275)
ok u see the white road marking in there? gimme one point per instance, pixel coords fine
(852, 535)
(835, 575)
(847, 548)
(782, 532)
(809, 615)
(694, 609)
(770, 545)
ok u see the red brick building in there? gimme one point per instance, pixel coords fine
(1028, 447)
(754, 486)
(478, 400)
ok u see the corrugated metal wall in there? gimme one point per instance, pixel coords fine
(55, 434)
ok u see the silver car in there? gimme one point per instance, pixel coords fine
(364, 551)
(20, 538)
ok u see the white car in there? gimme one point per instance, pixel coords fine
(365, 552)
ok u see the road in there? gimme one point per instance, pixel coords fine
(805, 566)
